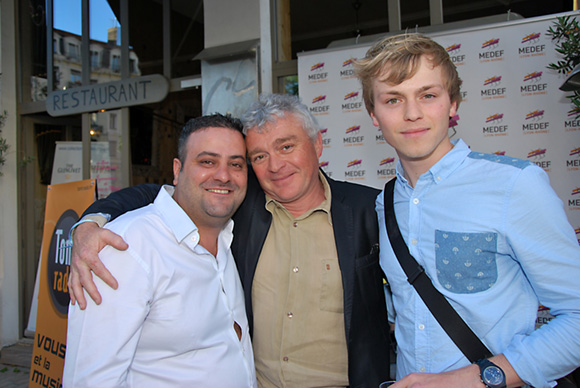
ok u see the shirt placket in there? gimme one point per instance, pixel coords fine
(288, 327)
(421, 320)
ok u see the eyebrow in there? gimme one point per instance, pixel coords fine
(285, 139)
(277, 142)
(216, 155)
(421, 89)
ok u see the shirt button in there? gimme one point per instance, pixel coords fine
(421, 327)
(414, 241)
(422, 369)
(295, 224)
(438, 178)
(290, 315)
(415, 200)
(295, 269)
(285, 359)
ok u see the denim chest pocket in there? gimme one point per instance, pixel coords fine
(466, 262)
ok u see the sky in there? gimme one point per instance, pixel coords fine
(67, 17)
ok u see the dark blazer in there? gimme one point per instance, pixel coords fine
(357, 243)
(356, 236)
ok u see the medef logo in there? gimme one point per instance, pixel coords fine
(492, 88)
(326, 140)
(324, 166)
(573, 163)
(59, 255)
(573, 122)
(319, 106)
(346, 70)
(386, 168)
(574, 200)
(534, 124)
(379, 138)
(533, 84)
(494, 125)
(538, 156)
(354, 170)
(454, 52)
(353, 136)
(351, 103)
(531, 47)
(490, 51)
(317, 73)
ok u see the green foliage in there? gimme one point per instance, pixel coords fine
(566, 34)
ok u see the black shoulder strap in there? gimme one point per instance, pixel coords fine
(444, 313)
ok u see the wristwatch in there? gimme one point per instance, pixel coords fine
(491, 375)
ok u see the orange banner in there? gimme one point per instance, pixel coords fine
(64, 204)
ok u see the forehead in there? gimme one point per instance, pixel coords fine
(217, 140)
(282, 127)
(424, 73)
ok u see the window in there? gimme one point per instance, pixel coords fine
(94, 59)
(116, 63)
(75, 77)
(73, 51)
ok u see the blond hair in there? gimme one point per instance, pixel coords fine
(395, 59)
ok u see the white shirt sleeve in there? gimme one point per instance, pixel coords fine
(102, 339)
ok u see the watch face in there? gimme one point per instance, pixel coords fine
(492, 376)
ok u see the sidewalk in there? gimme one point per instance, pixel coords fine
(15, 364)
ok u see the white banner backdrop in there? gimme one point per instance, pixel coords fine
(511, 105)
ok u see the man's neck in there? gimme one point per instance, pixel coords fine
(414, 168)
(413, 171)
(208, 238)
(307, 202)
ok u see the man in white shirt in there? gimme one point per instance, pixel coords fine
(178, 317)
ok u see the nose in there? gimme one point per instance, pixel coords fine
(222, 173)
(275, 163)
(413, 110)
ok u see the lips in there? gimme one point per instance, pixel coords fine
(219, 191)
(414, 132)
(281, 179)
(220, 188)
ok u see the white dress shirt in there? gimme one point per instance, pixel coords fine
(171, 321)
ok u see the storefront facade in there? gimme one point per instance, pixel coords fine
(128, 94)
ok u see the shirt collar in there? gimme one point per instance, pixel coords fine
(324, 205)
(177, 219)
(444, 167)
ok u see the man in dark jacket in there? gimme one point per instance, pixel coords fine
(306, 248)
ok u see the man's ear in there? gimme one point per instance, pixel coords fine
(318, 144)
(453, 110)
(375, 121)
(176, 170)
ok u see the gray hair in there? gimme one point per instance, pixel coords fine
(271, 107)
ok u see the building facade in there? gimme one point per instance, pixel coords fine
(215, 55)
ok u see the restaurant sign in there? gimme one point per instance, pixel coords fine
(110, 95)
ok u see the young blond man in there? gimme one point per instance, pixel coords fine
(489, 231)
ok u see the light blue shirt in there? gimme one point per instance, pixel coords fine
(493, 237)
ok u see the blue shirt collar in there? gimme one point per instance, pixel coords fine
(444, 167)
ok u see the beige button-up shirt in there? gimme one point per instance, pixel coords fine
(299, 336)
